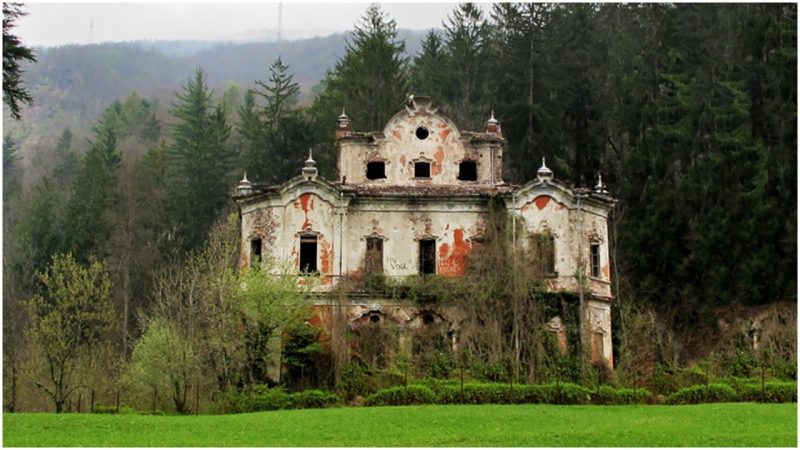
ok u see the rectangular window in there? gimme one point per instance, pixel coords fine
(427, 256)
(308, 254)
(544, 254)
(468, 171)
(595, 260)
(376, 170)
(374, 256)
(598, 352)
(255, 252)
(422, 169)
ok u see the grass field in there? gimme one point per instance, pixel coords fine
(710, 425)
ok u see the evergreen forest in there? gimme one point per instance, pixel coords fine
(120, 240)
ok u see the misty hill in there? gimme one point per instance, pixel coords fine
(73, 84)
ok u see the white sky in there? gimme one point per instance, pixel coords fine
(49, 24)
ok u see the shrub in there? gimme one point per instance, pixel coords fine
(773, 392)
(494, 372)
(413, 394)
(569, 394)
(355, 380)
(474, 394)
(608, 395)
(266, 399)
(315, 399)
(487, 393)
(701, 393)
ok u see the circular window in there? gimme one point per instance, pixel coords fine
(422, 133)
(375, 318)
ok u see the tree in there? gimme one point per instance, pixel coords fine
(14, 53)
(68, 320)
(370, 82)
(163, 361)
(94, 191)
(278, 133)
(427, 74)
(201, 162)
(468, 61)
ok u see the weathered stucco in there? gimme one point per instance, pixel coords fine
(402, 209)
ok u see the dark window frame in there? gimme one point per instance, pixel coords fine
(373, 257)
(418, 165)
(427, 256)
(594, 258)
(468, 175)
(544, 248)
(256, 248)
(371, 170)
(310, 267)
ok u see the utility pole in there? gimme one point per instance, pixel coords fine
(280, 21)
(91, 31)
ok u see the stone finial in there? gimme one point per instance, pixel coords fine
(493, 126)
(244, 187)
(600, 188)
(343, 126)
(544, 173)
(310, 169)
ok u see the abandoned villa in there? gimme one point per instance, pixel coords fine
(414, 199)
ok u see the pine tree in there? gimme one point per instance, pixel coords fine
(94, 189)
(277, 134)
(428, 75)
(370, 82)
(523, 42)
(201, 162)
(14, 53)
(467, 60)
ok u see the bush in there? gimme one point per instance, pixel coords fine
(266, 399)
(701, 393)
(413, 394)
(474, 394)
(493, 373)
(315, 399)
(773, 392)
(496, 393)
(356, 380)
(608, 395)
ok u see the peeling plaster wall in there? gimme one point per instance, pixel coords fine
(402, 224)
(399, 147)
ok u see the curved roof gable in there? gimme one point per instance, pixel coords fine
(419, 107)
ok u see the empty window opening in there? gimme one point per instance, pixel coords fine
(422, 133)
(598, 352)
(468, 171)
(595, 260)
(427, 318)
(375, 318)
(374, 256)
(308, 254)
(427, 256)
(376, 170)
(255, 252)
(422, 169)
(544, 252)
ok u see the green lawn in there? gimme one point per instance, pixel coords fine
(724, 424)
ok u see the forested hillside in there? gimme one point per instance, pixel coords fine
(127, 160)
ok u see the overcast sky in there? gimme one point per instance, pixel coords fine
(50, 24)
